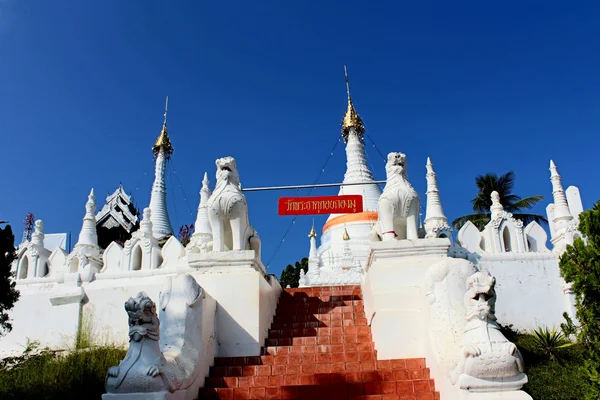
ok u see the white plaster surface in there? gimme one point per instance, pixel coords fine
(393, 294)
(35, 318)
(396, 307)
(530, 290)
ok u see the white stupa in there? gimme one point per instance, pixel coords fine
(345, 241)
(161, 224)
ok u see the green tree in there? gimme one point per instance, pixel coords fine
(512, 203)
(8, 292)
(291, 274)
(580, 266)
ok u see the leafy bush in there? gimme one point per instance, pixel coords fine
(580, 266)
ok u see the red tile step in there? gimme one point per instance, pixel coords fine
(319, 347)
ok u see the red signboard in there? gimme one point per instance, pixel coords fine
(344, 204)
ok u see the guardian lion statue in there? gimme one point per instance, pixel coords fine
(486, 353)
(399, 203)
(228, 212)
(165, 363)
(464, 334)
(141, 366)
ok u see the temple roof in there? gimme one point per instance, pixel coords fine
(119, 210)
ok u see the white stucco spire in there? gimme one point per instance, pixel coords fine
(313, 256)
(562, 214)
(158, 198)
(88, 234)
(146, 222)
(37, 238)
(313, 243)
(202, 224)
(357, 170)
(435, 220)
(497, 209)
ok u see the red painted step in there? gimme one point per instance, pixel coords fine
(319, 347)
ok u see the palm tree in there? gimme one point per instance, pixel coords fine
(512, 203)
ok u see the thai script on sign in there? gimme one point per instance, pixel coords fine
(344, 204)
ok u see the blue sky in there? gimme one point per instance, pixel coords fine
(477, 87)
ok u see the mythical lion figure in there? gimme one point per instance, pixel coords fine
(173, 365)
(464, 333)
(398, 206)
(228, 212)
(486, 353)
(142, 363)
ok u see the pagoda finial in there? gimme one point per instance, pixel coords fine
(166, 110)
(163, 141)
(313, 233)
(351, 118)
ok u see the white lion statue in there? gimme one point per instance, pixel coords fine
(399, 203)
(464, 334)
(228, 212)
(486, 353)
(166, 359)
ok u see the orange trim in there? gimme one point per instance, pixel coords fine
(346, 218)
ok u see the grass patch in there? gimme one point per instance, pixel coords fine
(52, 375)
(552, 379)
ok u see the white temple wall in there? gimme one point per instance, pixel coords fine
(529, 288)
(394, 296)
(246, 304)
(396, 306)
(34, 318)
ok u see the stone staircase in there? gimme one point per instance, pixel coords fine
(319, 347)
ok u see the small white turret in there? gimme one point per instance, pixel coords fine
(88, 234)
(202, 237)
(496, 209)
(146, 223)
(85, 258)
(562, 214)
(202, 224)
(313, 243)
(563, 224)
(37, 238)
(436, 223)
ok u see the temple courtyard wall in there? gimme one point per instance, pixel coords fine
(52, 313)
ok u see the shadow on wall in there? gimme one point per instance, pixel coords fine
(231, 336)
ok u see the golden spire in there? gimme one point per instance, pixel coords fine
(345, 236)
(312, 233)
(163, 140)
(351, 118)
